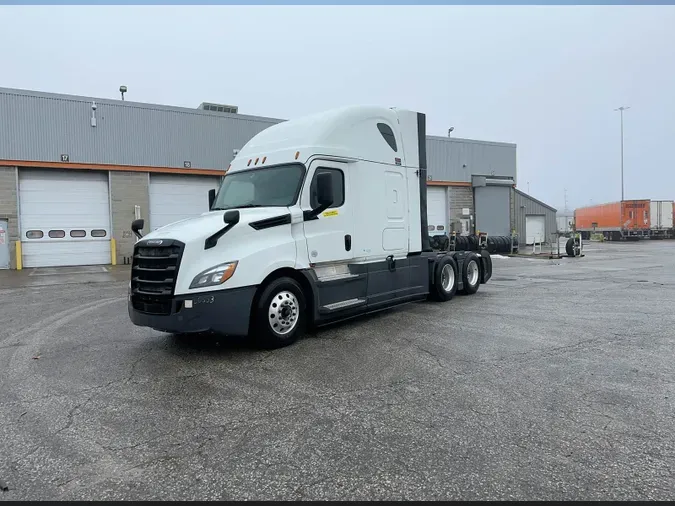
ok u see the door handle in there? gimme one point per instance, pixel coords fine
(391, 263)
(348, 242)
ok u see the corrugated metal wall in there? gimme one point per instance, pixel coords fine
(524, 205)
(42, 126)
(455, 159)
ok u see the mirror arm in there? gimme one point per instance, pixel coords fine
(230, 218)
(313, 214)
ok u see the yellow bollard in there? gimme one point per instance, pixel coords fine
(113, 251)
(19, 258)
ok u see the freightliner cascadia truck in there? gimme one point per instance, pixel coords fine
(317, 220)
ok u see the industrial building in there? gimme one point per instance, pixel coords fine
(75, 171)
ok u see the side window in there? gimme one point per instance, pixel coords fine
(338, 187)
(388, 135)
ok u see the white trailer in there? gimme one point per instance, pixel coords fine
(318, 219)
(661, 219)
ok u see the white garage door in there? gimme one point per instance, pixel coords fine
(535, 228)
(65, 217)
(176, 197)
(437, 210)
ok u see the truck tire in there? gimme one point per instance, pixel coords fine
(279, 317)
(569, 247)
(471, 274)
(445, 279)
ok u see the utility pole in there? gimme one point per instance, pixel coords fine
(565, 199)
(621, 109)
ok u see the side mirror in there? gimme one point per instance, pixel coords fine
(324, 189)
(137, 226)
(324, 195)
(231, 217)
(212, 198)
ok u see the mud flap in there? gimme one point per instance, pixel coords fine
(486, 271)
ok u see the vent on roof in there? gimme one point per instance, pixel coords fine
(207, 106)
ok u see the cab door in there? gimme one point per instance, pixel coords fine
(329, 235)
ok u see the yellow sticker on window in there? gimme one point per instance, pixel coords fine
(332, 212)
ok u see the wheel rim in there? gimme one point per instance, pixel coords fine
(447, 277)
(472, 272)
(283, 312)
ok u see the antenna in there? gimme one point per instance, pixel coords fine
(123, 90)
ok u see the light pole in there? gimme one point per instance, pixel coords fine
(621, 109)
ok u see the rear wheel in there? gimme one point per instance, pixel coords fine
(445, 279)
(279, 316)
(470, 274)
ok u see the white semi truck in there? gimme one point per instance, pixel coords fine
(317, 219)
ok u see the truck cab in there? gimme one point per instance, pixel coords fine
(317, 219)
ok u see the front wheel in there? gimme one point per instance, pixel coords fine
(279, 316)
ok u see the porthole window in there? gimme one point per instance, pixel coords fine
(431, 227)
(388, 135)
(440, 227)
(98, 233)
(78, 233)
(57, 234)
(35, 234)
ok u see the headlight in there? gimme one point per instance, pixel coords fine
(214, 276)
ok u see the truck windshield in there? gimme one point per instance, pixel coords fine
(269, 187)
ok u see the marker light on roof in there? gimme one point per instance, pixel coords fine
(249, 162)
(256, 161)
(264, 159)
(297, 154)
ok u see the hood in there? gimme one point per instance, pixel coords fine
(201, 227)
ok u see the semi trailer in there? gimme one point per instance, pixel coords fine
(661, 219)
(628, 219)
(317, 220)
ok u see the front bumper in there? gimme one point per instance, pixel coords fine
(223, 311)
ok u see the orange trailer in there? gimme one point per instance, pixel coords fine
(616, 220)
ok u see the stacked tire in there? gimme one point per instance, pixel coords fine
(495, 244)
(501, 244)
(439, 242)
(569, 248)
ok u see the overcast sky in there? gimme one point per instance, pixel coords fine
(546, 78)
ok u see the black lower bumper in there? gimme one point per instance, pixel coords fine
(224, 311)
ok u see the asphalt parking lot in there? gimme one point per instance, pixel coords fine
(554, 381)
